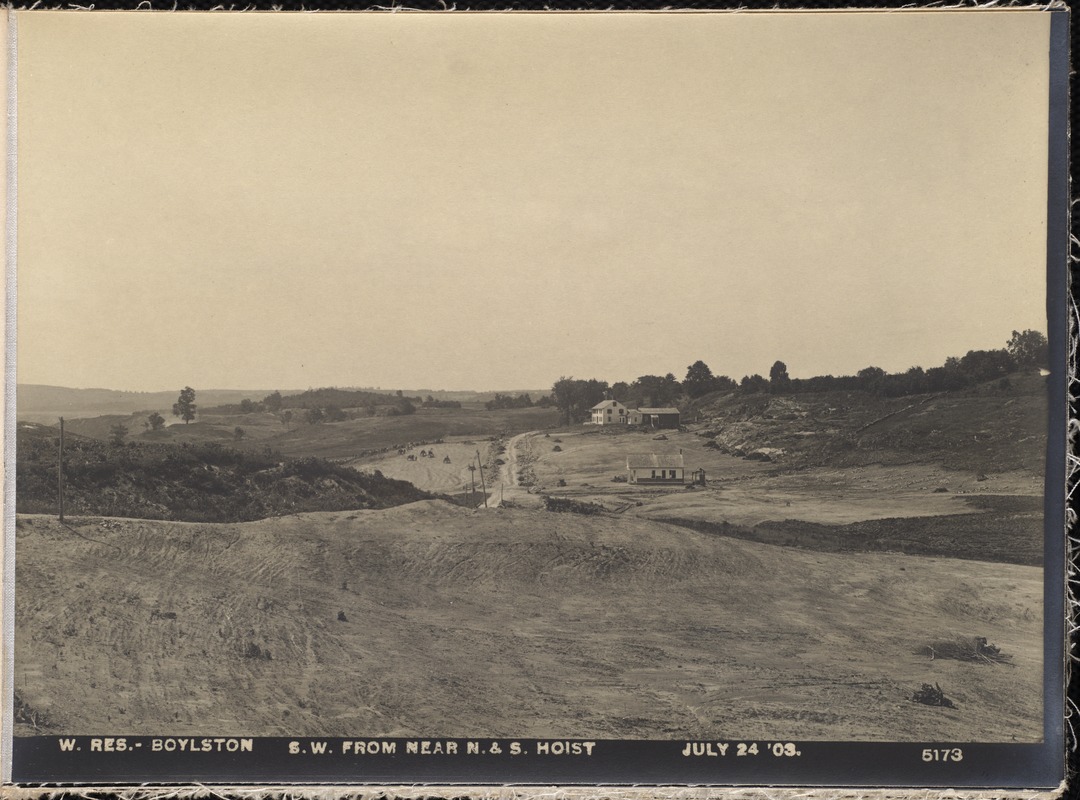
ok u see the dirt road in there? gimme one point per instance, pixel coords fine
(509, 488)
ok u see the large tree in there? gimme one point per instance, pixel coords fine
(185, 406)
(656, 390)
(117, 433)
(565, 393)
(272, 402)
(872, 379)
(751, 384)
(984, 365)
(1029, 348)
(699, 379)
(779, 380)
(574, 398)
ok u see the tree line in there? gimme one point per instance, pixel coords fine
(325, 405)
(1024, 350)
(521, 401)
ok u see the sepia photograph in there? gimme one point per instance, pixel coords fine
(395, 381)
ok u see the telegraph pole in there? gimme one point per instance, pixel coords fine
(483, 486)
(60, 470)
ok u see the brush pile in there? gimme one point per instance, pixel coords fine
(966, 648)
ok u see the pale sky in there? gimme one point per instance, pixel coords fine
(489, 201)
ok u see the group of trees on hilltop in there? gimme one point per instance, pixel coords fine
(431, 402)
(521, 401)
(325, 405)
(700, 381)
(1025, 350)
(574, 398)
(330, 399)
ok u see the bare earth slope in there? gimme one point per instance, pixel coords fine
(505, 622)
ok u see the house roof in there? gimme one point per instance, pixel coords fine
(659, 410)
(606, 404)
(654, 461)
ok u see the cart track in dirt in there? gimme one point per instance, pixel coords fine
(510, 488)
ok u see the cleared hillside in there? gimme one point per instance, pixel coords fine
(991, 428)
(431, 619)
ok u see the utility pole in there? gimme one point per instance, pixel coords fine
(483, 485)
(60, 470)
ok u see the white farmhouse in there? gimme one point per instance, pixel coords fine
(609, 412)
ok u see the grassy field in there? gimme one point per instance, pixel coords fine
(435, 620)
(339, 440)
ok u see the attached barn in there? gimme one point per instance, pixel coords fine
(655, 417)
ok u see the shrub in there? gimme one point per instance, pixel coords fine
(932, 696)
(561, 504)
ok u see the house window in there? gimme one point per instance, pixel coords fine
(671, 474)
(654, 473)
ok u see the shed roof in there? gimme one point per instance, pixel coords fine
(606, 404)
(659, 410)
(654, 461)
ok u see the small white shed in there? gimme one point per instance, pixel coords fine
(656, 468)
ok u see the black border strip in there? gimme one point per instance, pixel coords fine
(41, 760)
(1057, 312)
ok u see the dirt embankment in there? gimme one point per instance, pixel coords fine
(1008, 537)
(432, 619)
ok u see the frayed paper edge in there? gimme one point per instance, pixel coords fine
(509, 792)
(487, 7)
(413, 792)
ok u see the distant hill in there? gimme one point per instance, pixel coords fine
(197, 483)
(39, 403)
(343, 398)
(996, 426)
